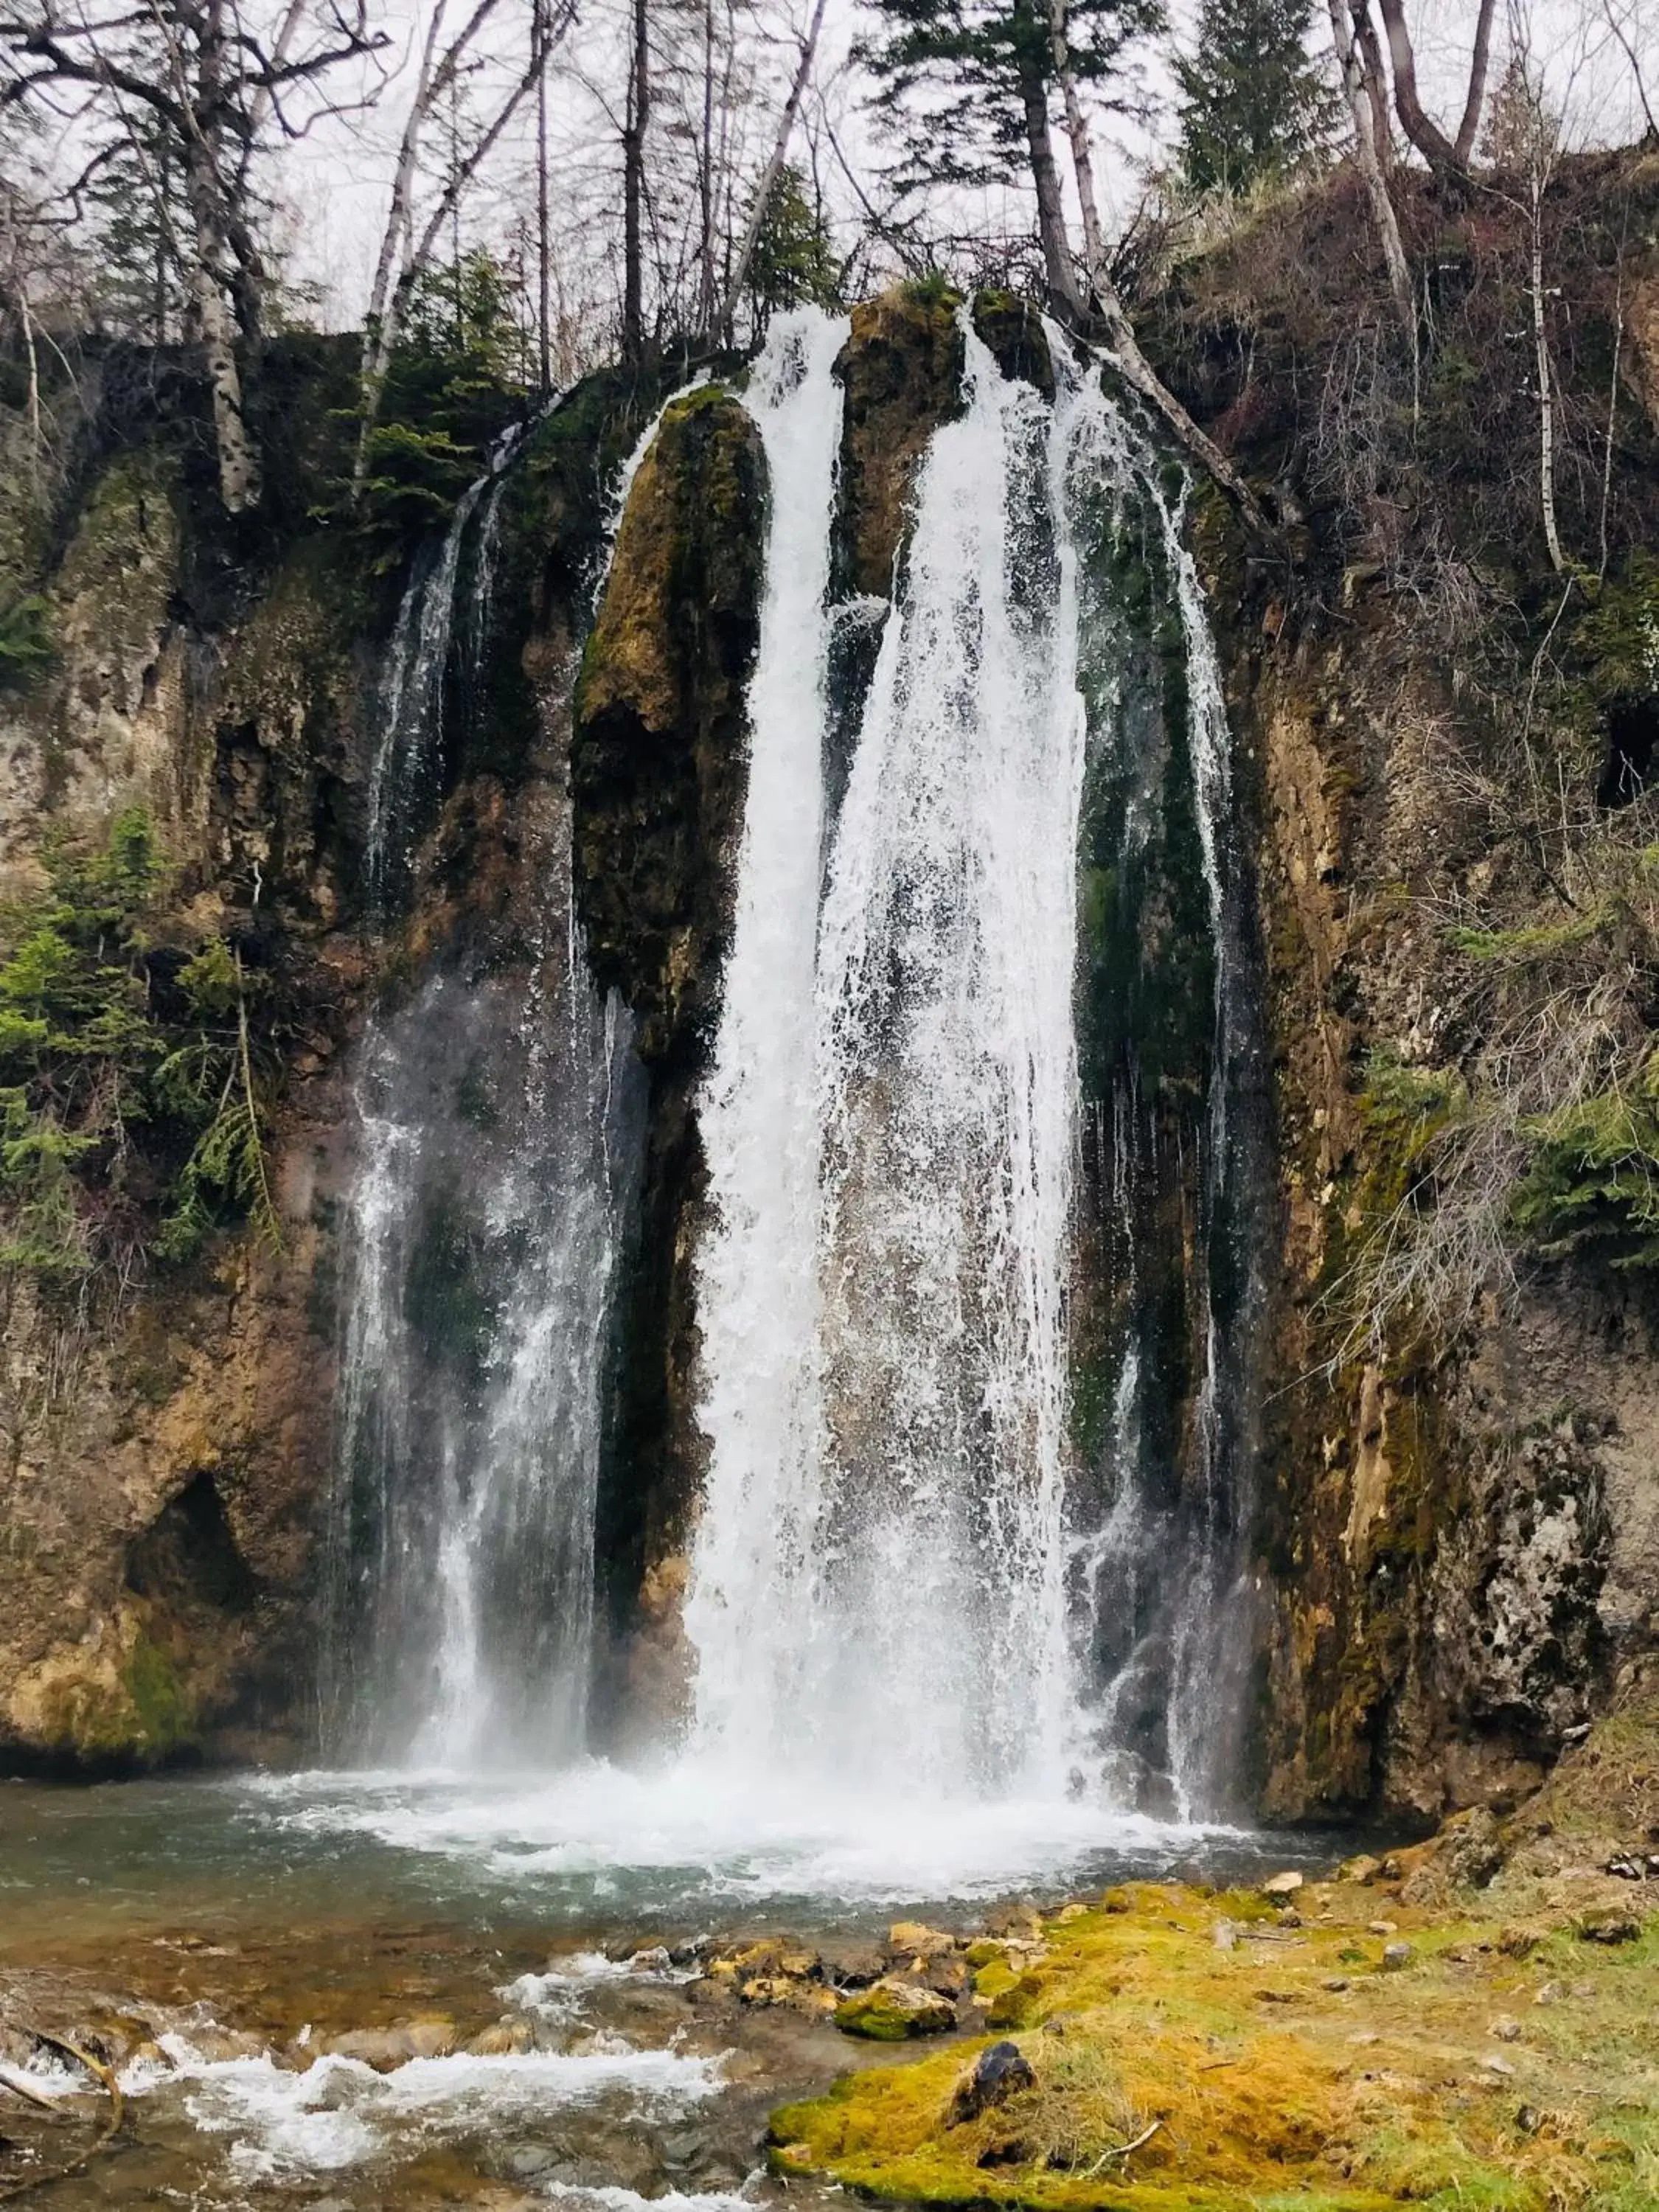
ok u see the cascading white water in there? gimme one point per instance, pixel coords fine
(411, 703)
(758, 1280)
(879, 1579)
(494, 1134)
(1175, 1563)
(891, 1586)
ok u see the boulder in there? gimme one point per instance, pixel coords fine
(1000, 2070)
(891, 2010)
(913, 1939)
(382, 2048)
(1613, 1924)
(429, 2035)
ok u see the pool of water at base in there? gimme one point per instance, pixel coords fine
(524, 1955)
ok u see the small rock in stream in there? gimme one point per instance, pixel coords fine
(889, 2010)
(525, 2161)
(913, 1939)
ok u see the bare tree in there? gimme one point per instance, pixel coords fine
(1441, 153)
(1626, 20)
(1532, 145)
(1105, 306)
(408, 240)
(213, 82)
(636, 122)
(1360, 83)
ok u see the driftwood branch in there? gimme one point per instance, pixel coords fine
(25, 2184)
(1122, 2150)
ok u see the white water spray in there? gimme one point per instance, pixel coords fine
(481, 1232)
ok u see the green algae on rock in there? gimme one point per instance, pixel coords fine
(658, 752)
(891, 2010)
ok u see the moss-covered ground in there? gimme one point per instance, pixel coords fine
(1270, 2059)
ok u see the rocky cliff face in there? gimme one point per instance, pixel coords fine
(1459, 1533)
(160, 1430)
(167, 1425)
(1459, 1503)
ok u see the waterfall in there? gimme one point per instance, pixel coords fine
(496, 1123)
(879, 1579)
(409, 703)
(757, 1288)
(973, 1285)
(1162, 1567)
(898, 1558)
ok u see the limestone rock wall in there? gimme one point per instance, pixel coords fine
(162, 1438)
(1458, 1533)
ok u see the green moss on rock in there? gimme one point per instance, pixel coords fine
(1012, 328)
(658, 763)
(891, 2011)
(901, 370)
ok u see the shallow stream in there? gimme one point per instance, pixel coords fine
(404, 1991)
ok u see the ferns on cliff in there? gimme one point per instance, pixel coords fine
(132, 1112)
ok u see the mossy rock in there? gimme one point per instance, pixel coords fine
(1011, 328)
(901, 370)
(138, 1712)
(658, 759)
(892, 2011)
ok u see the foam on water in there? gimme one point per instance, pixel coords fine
(689, 1833)
(339, 2112)
(558, 1995)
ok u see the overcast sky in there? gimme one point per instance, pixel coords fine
(338, 179)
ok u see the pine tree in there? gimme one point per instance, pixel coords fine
(968, 85)
(1252, 102)
(137, 198)
(794, 262)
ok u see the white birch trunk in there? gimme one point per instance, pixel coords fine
(769, 174)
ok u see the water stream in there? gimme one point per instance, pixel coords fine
(496, 1112)
(896, 1566)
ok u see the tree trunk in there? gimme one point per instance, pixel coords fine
(708, 288)
(1430, 140)
(544, 241)
(1346, 18)
(1468, 129)
(769, 175)
(238, 459)
(1110, 310)
(637, 118)
(1083, 162)
(1029, 48)
(1546, 389)
(1376, 83)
